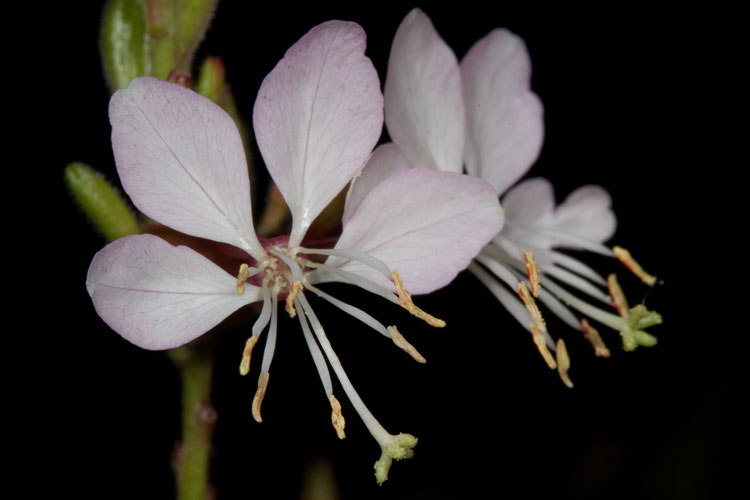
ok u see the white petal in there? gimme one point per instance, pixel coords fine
(424, 109)
(425, 223)
(385, 161)
(532, 202)
(504, 118)
(158, 296)
(181, 161)
(587, 212)
(317, 117)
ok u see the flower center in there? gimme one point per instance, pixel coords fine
(274, 273)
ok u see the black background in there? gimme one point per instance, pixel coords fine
(492, 420)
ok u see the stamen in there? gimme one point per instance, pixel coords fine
(351, 310)
(382, 436)
(537, 328)
(404, 300)
(320, 362)
(627, 259)
(241, 277)
(247, 354)
(559, 309)
(508, 300)
(296, 287)
(352, 278)
(592, 335)
(541, 345)
(337, 419)
(271, 340)
(576, 266)
(290, 262)
(563, 363)
(393, 447)
(400, 341)
(561, 238)
(531, 306)
(613, 321)
(265, 312)
(577, 282)
(498, 256)
(533, 271)
(362, 257)
(618, 296)
(259, 394)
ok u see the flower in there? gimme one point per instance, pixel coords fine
(482, 116)
(317, 117)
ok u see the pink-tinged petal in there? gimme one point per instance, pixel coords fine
(181, 161)
(424, 109)
(587, 212)
(531, 202)
(425, 223)
(529, 207)
(318, 115)
(158, 296)
(385, 161)
(505, 123)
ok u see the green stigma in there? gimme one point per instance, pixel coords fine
(400, 448)
(633, 334)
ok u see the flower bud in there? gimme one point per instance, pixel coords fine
(211, 80)
(124, 42)
(191, 20)
(101, 203)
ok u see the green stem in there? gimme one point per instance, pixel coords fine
(195, 361)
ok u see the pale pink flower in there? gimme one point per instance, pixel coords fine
(481, 116)
(317, 117)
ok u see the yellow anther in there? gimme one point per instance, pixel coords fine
(541, 344)
(618, 296)
(247, 354)
(259, 394)
(531, 306)
(563, 363)
(592, 335)
(337, 419)
(241, 277)
(532, 271)
(404, 300)
(627, 259)
(296, 288)
(400, 341)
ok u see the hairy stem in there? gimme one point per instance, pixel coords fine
(195, 362)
